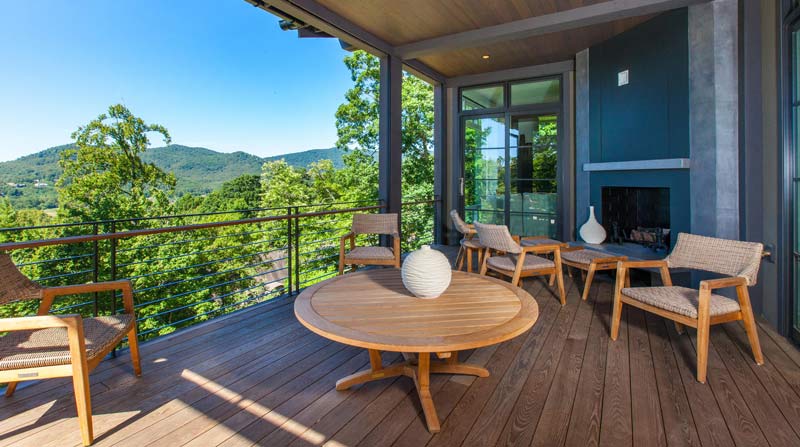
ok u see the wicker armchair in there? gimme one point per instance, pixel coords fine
(515, 261)
(739, 261)
(469, 243)
(385, 224)
(47, 346)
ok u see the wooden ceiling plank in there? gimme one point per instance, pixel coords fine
(559, 21)
(327, 21)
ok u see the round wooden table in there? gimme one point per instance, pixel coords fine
(372, 309)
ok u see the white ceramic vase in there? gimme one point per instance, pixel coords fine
(592, 232)
(426, 272)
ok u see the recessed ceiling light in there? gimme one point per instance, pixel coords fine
(485, 56)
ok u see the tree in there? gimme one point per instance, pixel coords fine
(8, 215)
(357, 125)
(104, 176)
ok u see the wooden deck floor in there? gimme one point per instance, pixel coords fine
(258, 377)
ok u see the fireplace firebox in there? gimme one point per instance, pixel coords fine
(637, 214)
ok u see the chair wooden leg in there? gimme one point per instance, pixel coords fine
(561, 293)
(484, 262)
(616, 316)
(587, 285)
(750, 323)
(703, 332)
(460, 258)
(469, 260)
(628, 280)
(133, 344)
(10, 388)
(80, 377)
(552, 280)
(83, 402)
(341, 266)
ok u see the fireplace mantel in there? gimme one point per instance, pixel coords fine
(638, 165)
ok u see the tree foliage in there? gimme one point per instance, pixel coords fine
(104, 176)
(186, 277)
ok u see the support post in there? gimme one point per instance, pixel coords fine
(390, 152)
(439, 162)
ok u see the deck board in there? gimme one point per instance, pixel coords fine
(258, 377)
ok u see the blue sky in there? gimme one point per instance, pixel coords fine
(216, 73)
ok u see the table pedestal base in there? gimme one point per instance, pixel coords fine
(419, 371)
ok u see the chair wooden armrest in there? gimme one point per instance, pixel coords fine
(542, 249)
(623, 267)
(50, 293)
(396, 249)
(516, 238)
(723, 283)
(349, 236)
(611, 259)
(38, 322)
(658, 263)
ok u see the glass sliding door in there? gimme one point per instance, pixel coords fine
(793, 160)
(533, 155)
(510, 140)
(484, 141)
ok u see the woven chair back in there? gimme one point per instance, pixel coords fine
(723, 256)
(14, 286)
(497, 237)
(461, 226)
(375, 224)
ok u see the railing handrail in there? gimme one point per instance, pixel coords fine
(10, 246)
(167, 295)
(173, 216)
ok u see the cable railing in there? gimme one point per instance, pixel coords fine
(190, 268)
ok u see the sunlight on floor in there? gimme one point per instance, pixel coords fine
(264, 413)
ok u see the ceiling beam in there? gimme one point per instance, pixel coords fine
(549, 23)
(312, 13)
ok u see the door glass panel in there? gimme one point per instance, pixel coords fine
(536, 92)
(477, 98)
(795, 158)
(484, 170)
(533, 157)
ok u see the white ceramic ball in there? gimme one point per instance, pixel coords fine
(426, 272)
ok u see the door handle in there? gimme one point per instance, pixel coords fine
(461, 187)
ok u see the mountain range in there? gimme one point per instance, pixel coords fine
(198, 170)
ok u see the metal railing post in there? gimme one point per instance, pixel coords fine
(289, 243)
(297, 249)
(113, 262)
(96, 267)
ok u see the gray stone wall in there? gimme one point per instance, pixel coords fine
(714, 118)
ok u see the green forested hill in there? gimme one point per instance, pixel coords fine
(198, 170)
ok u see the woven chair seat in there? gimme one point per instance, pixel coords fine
(681, 300)
(474, 243)
(535, 242)
(377, 253)
(509, 262)
(50, 347)
(583, 256)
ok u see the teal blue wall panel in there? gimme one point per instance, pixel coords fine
(648, 118)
